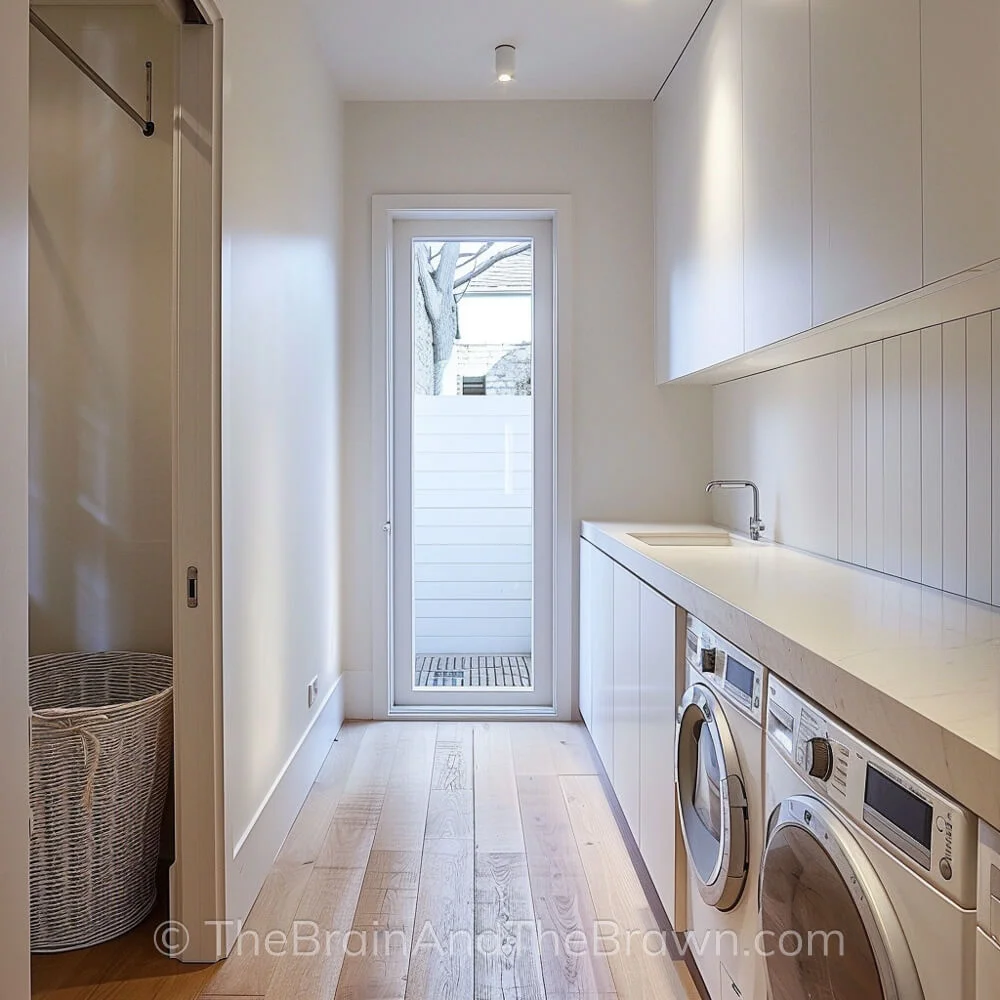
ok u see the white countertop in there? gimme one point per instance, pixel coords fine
(915, 670)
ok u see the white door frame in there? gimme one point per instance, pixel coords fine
(197, 878)
(386, 211)
(401, 610)
(14, 844)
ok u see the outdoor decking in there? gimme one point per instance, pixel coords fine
(473, 670)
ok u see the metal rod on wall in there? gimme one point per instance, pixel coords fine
(84, 67)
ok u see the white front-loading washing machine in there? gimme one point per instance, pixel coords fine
(718, 757)
(988, 935)
(868, 876)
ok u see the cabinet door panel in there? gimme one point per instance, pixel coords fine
(777, 170)
(659, 685)
(625, 774)
(867, 197)
(602, 657)
(699, 215)
(676, 172)
(586, 635)
(668, 226)
(961, 134)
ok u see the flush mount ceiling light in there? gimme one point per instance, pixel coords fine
(504, 61)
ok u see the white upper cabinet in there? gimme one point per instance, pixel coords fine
(699, 210)
(824, 163)
(960, 42)
(867, 197)
(777, 170)
(674, 220)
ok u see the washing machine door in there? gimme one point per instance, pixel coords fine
(712, 798)
(829, 931)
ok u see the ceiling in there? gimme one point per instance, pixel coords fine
(438, 50)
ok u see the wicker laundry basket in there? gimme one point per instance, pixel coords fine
(101, 746)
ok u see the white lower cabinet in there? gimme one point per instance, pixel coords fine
(625, 776)
(586, 694)
(632, 670)
(597, 637)
(661, 684)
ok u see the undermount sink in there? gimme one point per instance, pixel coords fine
(681, 537)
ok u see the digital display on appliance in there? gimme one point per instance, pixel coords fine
(901, 808)
(739, 676)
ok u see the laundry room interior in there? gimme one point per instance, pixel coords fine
(500, 501)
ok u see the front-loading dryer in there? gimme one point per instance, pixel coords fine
(868, 875)
(718, 754)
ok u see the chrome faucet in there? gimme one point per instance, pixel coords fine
(756, 524)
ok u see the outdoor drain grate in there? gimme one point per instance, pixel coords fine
(473, 670)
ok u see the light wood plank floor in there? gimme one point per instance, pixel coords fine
(430, 862)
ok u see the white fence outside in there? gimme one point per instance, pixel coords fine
(472, 489)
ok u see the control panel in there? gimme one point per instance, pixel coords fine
(911, 819)
(726, 668)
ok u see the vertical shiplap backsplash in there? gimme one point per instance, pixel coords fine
(885, 456)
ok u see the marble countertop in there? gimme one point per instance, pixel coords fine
(914, 670)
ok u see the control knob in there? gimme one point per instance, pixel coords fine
(819, 758)
(708, 660)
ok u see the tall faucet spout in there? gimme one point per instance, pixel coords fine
(756, 525)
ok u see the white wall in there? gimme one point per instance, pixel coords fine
(101, 215)
(13, 498)
(281, 347)
(885, 456)
(639, 452)
(472, 568)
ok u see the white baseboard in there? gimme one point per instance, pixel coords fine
(358, 694)
(258, 847)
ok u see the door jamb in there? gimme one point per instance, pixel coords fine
(386, 210)
(198, 876)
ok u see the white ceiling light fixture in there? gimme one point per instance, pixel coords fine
(505, 56)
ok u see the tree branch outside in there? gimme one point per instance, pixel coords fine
(439, 282)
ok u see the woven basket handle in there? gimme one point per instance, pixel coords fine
(62, 720)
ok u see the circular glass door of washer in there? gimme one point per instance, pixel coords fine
(816, 945)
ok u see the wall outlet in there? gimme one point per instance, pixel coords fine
(312, 692)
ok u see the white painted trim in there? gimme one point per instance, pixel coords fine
(541, 410)
(386, 210)
(472, 713)
(335, 692)
(259, 844)
(358, 694)
(198, 877)
(14, 585)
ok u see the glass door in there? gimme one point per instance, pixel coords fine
(831, 931)
(471, 468)
(715, 828)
